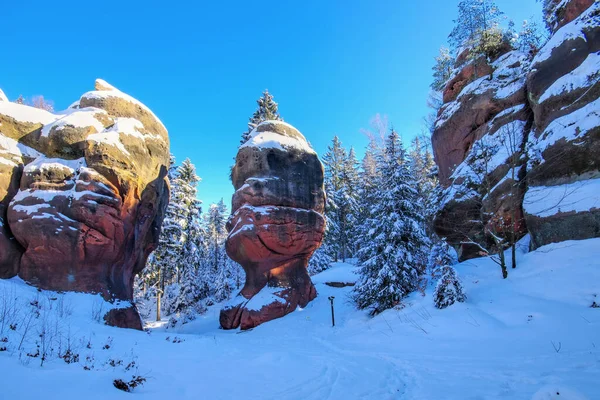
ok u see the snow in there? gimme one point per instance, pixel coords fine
(3, 96)
(570, 31)
(545, 201)
(338, 272)
(109, 137)
(511, 110)
(510, 74)
(570, 127)
(499, 344)
(14, 151)
(79, 118)
(32, 208)
(23, 113)
(114, 92)
(44, 163)
(273, 140)
(268, 295)
(585, 75)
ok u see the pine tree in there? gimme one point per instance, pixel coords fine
(424, 170)
(393, 249)
(531, 38)
(175, 251)
(475, 17)
(440, 256)
(267, 111)
(442, 70)
(218, 265)
(320, 260)
(368, 190)
(342, 188)
(449, 289)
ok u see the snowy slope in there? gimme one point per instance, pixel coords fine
(526, 337)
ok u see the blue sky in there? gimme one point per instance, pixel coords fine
(331, 65)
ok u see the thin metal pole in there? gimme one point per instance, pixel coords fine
(332, 312)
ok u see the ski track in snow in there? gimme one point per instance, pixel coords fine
(496, 345)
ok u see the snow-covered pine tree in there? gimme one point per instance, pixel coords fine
(351, 195)
(475, 18)
(424, 170)
(449, 290)
(333, 161)
(173, 255)
(394, 242)
(442, 70)
(267, 111)
(320, 260)
(368, 190)
(441, 254)
(342, 188)
(218, 267)
(531, 37)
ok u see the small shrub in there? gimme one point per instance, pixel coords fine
(70, 357)
(449, 289)
(135, 381)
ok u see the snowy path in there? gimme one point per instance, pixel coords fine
(497, 345)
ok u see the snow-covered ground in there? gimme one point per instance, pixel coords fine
(531, 336)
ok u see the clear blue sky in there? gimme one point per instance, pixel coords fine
(331, 65)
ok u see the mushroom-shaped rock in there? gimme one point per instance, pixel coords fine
(82, 195)
(276, 224)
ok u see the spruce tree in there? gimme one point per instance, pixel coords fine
(442, 70)
(267, 111)
(320, 260)
(342, 188)
(449, 290)
(440, 256)
(475, 17)
(394, 242)
(218, 267)
(424, 170)
(175, 250)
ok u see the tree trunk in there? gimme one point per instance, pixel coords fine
(158, 305)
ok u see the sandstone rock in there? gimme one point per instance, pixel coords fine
(85, 213)
(491, 111)
(470, 72)
(464, 120)
(276, 224)
(557, 110)
(564, 89)
(558, 13)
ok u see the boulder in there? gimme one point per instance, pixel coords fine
(276, 224)
(86, 196)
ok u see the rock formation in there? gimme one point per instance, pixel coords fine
(276, 224)
(82, 195)
(518, 140)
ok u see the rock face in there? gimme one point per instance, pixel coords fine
(563, 196)
(276, 224)
(540, 121)
(477, 135)
(82, 195)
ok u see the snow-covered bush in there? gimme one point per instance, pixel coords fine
(319, 262)
(449, 290)
(441, 254)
